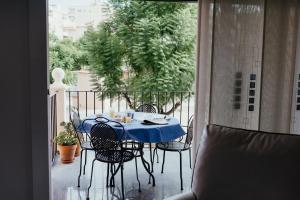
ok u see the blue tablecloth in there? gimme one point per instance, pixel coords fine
(145, 133)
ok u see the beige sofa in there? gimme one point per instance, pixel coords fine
(237, 164)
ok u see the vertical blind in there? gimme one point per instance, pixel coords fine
(281, 35)
(237, 57)
(253, 64)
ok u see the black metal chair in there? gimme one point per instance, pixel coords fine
(83, 141)
(178, 146)
(148, 108)
(107, 144)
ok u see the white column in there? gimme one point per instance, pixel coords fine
(59, 89)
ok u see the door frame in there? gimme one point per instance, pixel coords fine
(39, 82)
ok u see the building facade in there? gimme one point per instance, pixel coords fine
(72, 20)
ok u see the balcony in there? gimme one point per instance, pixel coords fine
(177, 104)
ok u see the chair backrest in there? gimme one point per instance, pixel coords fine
(105, 138)
(148, 108)
(244, 164)
(75, 119)
(189, 133)
(77, 125)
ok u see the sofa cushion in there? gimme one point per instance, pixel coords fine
(237, 164)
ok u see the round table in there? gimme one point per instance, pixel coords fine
(144, 133)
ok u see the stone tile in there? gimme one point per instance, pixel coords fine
(64, 180)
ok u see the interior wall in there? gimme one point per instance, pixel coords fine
(23, 84)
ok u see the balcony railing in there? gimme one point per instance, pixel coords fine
(179, 104)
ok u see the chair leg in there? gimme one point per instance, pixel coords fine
(107, 174)
(155, 153)
(137, 174)
(91, 179)
(157, 156)
(78, 184)
(122, 182)
(180, 156)
(162, 166)
(190, 158)
(112, 171)
(85, 158)
(151, 159)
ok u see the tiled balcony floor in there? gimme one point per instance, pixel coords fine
(64, 179)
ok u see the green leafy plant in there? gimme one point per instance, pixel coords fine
(66, 54)
(66, 139)
(68, 127)
(154, 41)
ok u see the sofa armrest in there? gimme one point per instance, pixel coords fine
(184, 196)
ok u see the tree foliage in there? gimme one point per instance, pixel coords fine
(155, 41)
(66, 54)
(105, 57)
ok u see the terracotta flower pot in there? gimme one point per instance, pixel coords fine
(67, 153)
(77, 152)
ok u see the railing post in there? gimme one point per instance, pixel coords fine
(59, 89)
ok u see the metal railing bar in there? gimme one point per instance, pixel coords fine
(173, 100)
(78, 102)
(102, 103)
(134, 99)
(158, 102)
(70, 105)
(110, 100)
(153, 91)
(94, 102)
(86, 102)
(188, 110)
(142, 98)
(118, 102)
(126, 104)
(163, 100)
(166, 99)
(180, 116)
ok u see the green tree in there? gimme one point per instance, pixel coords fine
(155, 41)
(66, 54)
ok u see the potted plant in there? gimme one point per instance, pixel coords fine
(70, 130)
(67, 144)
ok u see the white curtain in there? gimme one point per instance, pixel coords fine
(237, 55)
(248, 65)
(203, 69)
(281, 35)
